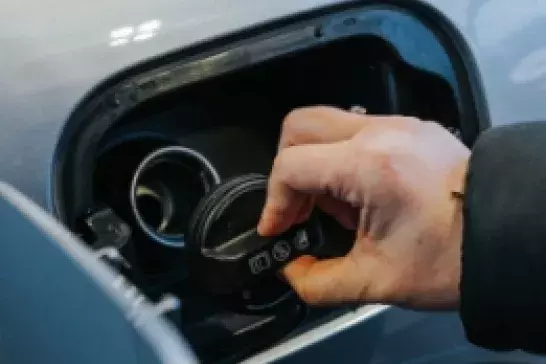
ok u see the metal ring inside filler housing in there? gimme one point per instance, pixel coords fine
(157, 190)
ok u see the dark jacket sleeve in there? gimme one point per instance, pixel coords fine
(503, 283)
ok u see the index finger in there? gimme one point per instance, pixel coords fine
(297, 172)
(320, 124)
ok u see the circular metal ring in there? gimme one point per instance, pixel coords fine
(165, 155)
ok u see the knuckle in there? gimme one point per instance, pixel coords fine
(341, 179)
(280, 160)
(289, 128)
(302, 114)
(294, 117)
(408, 123)
(291, 118)
(282, 172)
(297, 112)
(388, 173)
(383, 165)
(412, 120)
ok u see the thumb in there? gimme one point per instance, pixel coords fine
(329, 281)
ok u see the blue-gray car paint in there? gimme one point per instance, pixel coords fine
(53, 54)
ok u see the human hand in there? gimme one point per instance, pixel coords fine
(391, 179)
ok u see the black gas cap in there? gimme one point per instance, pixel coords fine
(229, 255)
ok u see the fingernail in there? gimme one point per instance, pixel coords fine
(260, 228)
(262, 225)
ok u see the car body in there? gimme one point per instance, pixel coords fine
(56, 55)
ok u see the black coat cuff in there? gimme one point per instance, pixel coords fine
(503, 283)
